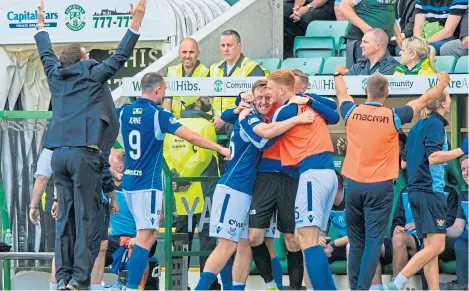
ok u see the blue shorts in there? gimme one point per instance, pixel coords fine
(429, 212)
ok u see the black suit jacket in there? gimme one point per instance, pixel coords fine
(82, 105)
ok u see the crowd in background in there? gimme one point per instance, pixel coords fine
(439, 24)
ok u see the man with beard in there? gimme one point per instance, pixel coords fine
(186, 160)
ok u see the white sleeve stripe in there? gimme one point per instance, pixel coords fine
(156, 123)
(120, 117)
(258, 144)
(274, 118)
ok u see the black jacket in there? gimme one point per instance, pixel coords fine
(405, 12)
(82, 105)
(386, 66)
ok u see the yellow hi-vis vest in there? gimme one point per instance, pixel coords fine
(216, 70)
(178, 71)
(190, 161)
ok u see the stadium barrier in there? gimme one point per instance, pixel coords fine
(400, 86)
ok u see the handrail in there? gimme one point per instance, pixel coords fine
(8, 256)
(169, 196)
(26, 256)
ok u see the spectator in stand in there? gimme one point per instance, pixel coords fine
(438, 20)
(297, 14)
(365, 15)
(338, 15)
(417, 57)
(375, 58)
(405, 15)
(459, 230)
(457, 47)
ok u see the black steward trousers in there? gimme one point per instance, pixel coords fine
(78, 174)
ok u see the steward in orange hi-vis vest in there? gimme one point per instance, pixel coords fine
(373, 144)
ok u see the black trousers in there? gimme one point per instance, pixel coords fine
(293, 29)
(368, 209)
(77, 173)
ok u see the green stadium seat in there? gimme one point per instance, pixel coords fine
(311, 47)
(331, 63)
(325, 29)
(270, 64)
(232, 2)
(338, 267)
(308, 66)
(447, 267)
(445, 63)
(462, 65)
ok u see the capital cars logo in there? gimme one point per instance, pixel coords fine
(28, 19)
(75, 17)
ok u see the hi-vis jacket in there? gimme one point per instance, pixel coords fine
(189, 160)
(244, 67)
(178, 71)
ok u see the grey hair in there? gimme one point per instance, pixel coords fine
(377, 86)
(232, 32)
(150, 81)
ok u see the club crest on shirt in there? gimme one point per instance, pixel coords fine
(440, 223)
(137, 111)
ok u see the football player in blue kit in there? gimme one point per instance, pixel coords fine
(232, 197)
(144, 124)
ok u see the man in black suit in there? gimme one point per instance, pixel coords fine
(83, 123)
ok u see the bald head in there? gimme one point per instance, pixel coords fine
(379, 36)
(116, 163)
(188, 53)
(190, 41)
(374, 44)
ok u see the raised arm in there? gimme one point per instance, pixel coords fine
(48, 58)
(340, 87)
(431, 95)
(110, 66)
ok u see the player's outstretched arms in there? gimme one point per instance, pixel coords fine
(198, 140)
(274, 129)
(431, 95)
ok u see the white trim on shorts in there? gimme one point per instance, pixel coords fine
(145, 206)
(315, 197)
(229, 214)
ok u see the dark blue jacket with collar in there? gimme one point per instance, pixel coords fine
(82, 105)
